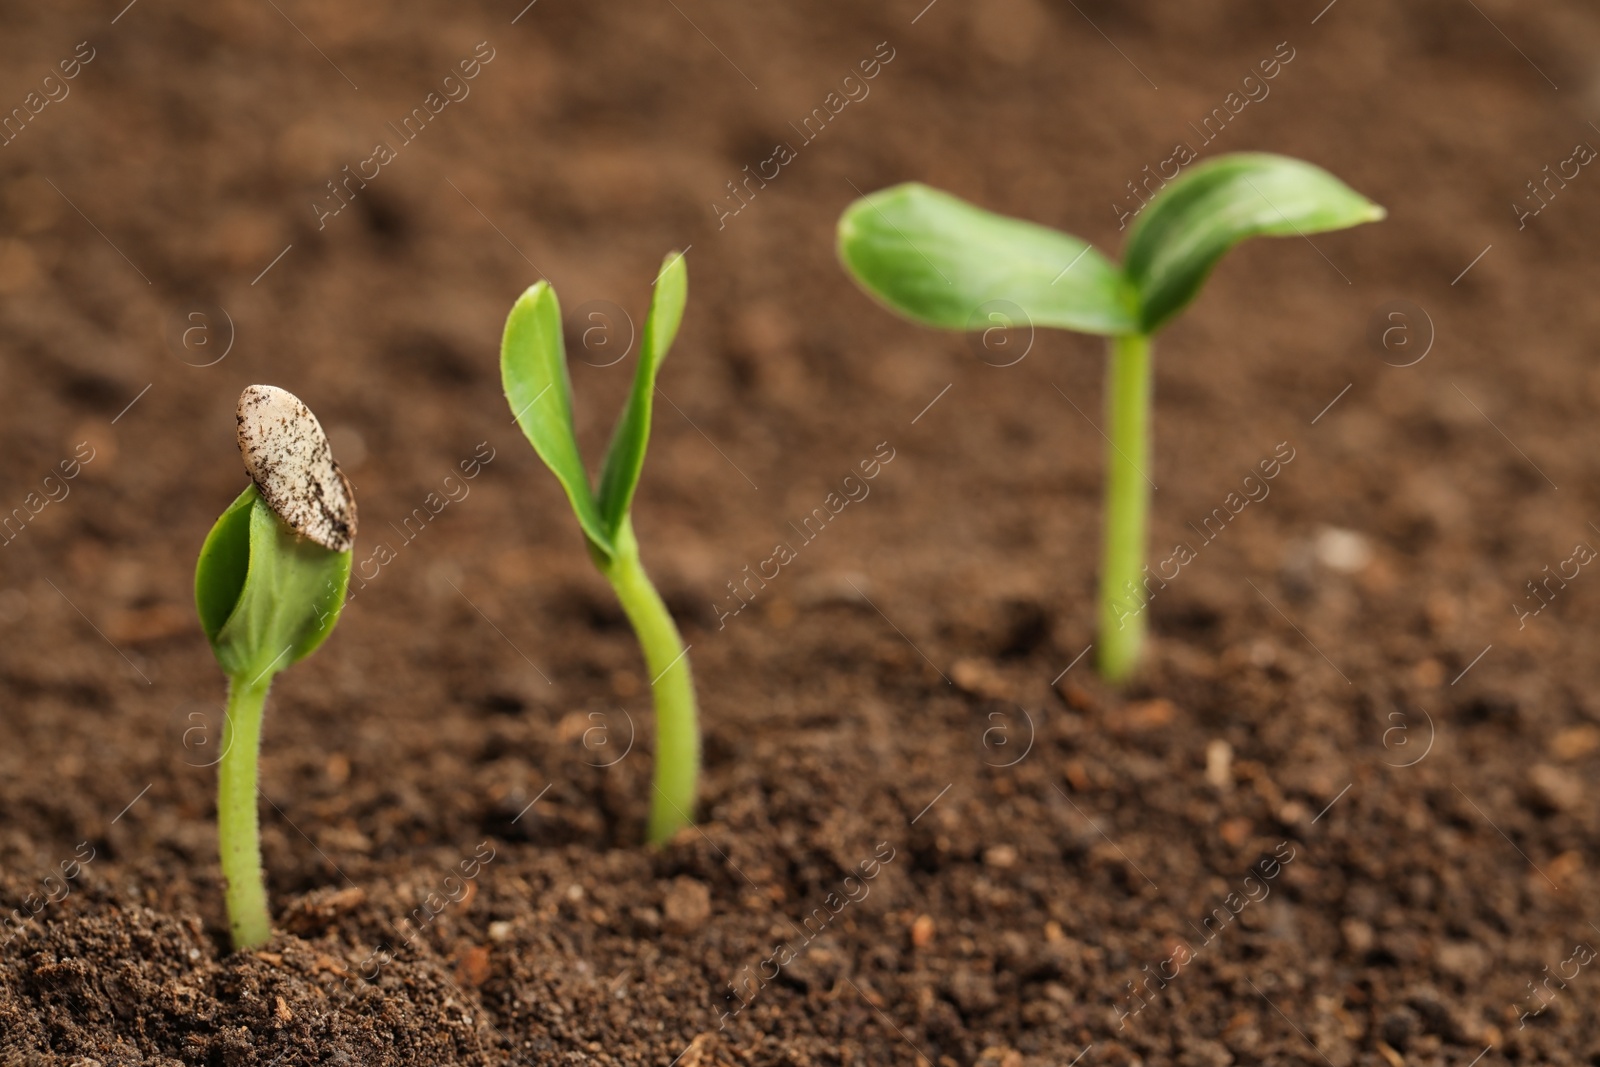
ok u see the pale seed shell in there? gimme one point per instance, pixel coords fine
(287, 456)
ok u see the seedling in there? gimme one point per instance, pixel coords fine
(269, 585)
(941, 261)
(533, 367)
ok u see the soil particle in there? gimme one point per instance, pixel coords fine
(687, 906)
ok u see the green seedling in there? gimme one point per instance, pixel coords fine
(533, 368)
(941, 261)
(269, 584)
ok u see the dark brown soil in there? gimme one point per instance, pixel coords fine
(1345, 732)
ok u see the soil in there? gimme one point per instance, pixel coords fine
(928, 835)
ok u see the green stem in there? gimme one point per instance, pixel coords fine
(1122, 594)
(677, 732)
(238, 833)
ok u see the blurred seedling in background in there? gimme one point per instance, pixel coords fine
(269, 585)
(941, 261)
(533, 367)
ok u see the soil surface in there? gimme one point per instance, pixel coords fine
(1347, 814)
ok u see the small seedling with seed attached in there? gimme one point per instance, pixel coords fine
(269, 584)
(533, 367)
(941, 261)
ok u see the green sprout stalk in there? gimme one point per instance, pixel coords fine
(677, 727)
(269, 585)
(533, 367)
(1127, 503)
(238, 831)
(943, 262)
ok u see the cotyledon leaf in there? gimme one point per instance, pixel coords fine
(1192, 222)
(289, 602)
(224, 564)
(625, 457)
(533, 370)
(939, 260)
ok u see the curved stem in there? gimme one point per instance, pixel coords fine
(238, 833)
(1122, 595)
(677, 767)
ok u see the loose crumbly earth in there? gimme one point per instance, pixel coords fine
(1368, 746)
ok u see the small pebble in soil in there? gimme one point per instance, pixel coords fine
(1077, 697)
(1000, 1057)
(1342, 550)
(922, 931)
(337, 769)
(1219, 764)
(1358, 937)
(1293, 813)
(1001, 856)
(980, 678)
(687, 905)
(1554, 788)
(472, 967)
(1466, 960)
(696, 1054)
(1144, 716)
(1077, 776)
(1575, 742)
(1429, 673)
(781, 613)
(1565, 867)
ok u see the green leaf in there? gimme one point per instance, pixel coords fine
(625, 457)
(267, 597)
(533, 369)
(224, 562)
(1195, 219)
(937, 259)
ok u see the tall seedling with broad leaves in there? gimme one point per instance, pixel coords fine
(533, 367)
(939, 260)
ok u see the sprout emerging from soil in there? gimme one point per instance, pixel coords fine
(269, 584)
(533, 367)
(941, 261)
